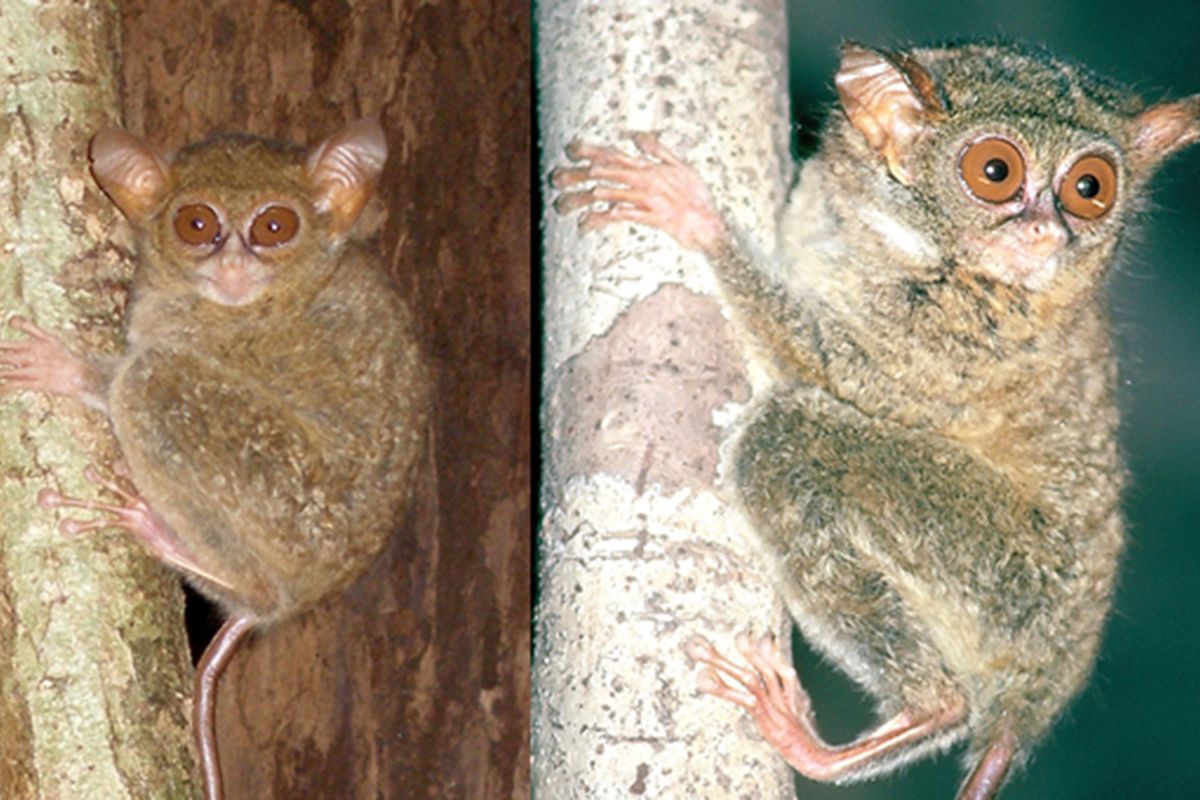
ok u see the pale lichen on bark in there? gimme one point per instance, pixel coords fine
(639, 547)
(93, 664)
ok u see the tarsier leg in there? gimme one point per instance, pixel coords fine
(770, 691)
(204, 720)
(660, 191)
(134, 515)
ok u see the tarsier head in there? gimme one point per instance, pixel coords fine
(236, 216)
(1024, 167)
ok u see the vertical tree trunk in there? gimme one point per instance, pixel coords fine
(642, 379)
(415, 683)
(93, 661)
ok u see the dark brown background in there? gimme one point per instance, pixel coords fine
(416, 683)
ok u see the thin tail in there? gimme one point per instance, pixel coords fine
(992, 768)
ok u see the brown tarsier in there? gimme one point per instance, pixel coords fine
(935, 470)
(270, 406)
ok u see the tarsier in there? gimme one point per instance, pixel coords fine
(935, 470)
(270, 405)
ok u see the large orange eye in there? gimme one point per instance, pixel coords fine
(197, 225)
(1089, 188)
(274, 226)
(993, 170)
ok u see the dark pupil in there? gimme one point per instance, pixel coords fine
(995, 170)
(198, 224)
(1087, 187)
(273, 226)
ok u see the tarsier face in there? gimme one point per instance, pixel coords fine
(1032, 207)
(1023, 167)
(232, 250)
(232, 217)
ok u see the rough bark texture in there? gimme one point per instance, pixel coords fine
(642, 379)
(415, 683)
(94, 675)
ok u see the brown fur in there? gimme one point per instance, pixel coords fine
(277, 439)
(936, 470)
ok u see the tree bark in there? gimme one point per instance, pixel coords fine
(642, 381)
(93, 660)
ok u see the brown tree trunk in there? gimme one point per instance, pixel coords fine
(415, 683)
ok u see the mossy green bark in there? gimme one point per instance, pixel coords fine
(94, 675)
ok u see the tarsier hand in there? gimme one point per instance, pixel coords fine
(656, 189)
(42, 363)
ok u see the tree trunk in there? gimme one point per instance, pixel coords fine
(93, 660)
(643, 377)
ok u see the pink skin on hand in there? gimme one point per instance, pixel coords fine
(44, 364)
(658, 190)
(770, 691)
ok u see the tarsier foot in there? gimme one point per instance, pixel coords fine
(132, 514)
(42, 363)
(770, 691)
(655, 189)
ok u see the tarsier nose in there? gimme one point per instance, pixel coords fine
(1045, 227)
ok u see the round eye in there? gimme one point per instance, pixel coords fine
(197, 225)
(1089, 188)
(993, 170)
(274, 226)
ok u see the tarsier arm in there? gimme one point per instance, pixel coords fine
(660, 190)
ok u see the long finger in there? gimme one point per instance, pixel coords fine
(710, 681)
(651, 145)
(26, 326)
(700, 649)
(598, 154)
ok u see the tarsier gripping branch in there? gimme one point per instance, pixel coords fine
(935, 470)
(270, 406)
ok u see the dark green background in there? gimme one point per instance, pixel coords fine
(1135, 731)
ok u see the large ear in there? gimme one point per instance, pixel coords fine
(1163, 129)
(889, 98)
(129, 171)
(344, 168)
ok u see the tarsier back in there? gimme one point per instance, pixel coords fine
(935, 470)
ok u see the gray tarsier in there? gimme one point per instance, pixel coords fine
(936, 468)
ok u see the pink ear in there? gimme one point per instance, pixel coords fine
(1163, 129)
(129, 171)
(889, 98)
(344, 169)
